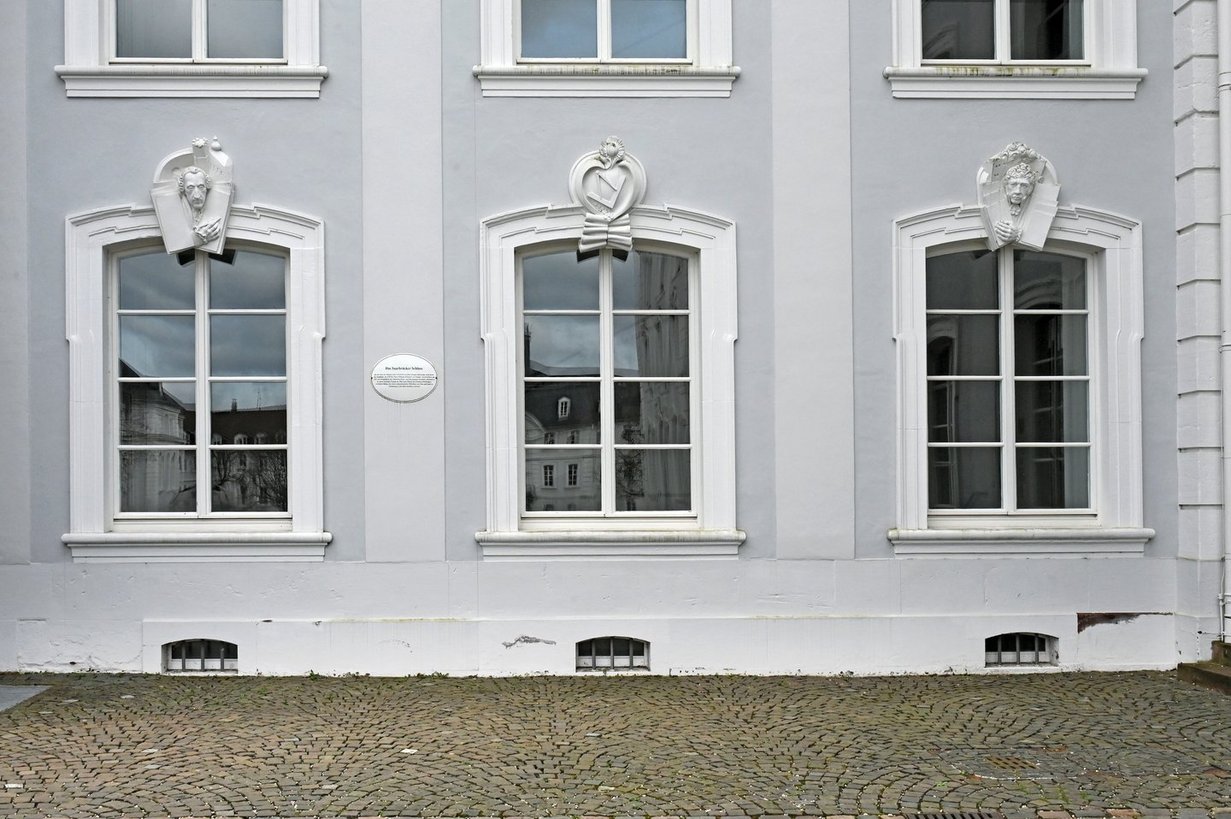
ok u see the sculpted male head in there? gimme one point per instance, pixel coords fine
(194, 186)
(1019, 184)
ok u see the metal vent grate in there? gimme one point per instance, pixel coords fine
(957, 815)
(200, 656)
(608, 653)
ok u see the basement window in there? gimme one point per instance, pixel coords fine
(1020, 648)
(200, 656)
(613, 653)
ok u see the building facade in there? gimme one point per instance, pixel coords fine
(553, 336)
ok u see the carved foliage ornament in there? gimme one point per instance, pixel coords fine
(192, 194)
(1018, 194)
(608, 183)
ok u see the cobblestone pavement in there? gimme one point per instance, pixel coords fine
(1018, 746)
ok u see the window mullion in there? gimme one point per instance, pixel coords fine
(1004, 39)
(606, 411)
(604, 29)
(200, 25)
(1008, 405)
(203, 431)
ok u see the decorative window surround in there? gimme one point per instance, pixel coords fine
(1110, 70)
(709, 73)
(1114, 245)
(713, 533)
(93, 535)
(88, 70)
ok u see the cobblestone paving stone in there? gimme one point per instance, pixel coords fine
(1048, 746)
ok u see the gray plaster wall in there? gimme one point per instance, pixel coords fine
(302, 155)
(912, 155)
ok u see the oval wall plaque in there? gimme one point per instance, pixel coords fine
(404, 378)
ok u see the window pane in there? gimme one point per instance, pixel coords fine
(963, 345)
(1050, 345)
(158, 413)
(559, 28)
(1046, 29)
(244, 28)
(1048, 281)
(575, 421)
(653, 480)
(1053, 411)
(248, 412)
(648, 28)
(155, 281)
(156, 346)
(651, 346)
(963, 478)
(250, 481)
(561, 345)
(958, 30)
(583, 496)
(962, 281)
(254, 281)
(153, 28)
(650, 281)
(964, 412)
(1053, 477)
(247, 345)
(558, 281)
(651, 413)
(158, 481)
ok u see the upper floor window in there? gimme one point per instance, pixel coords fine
(191, 48)
(630, 48)
(1077, 49)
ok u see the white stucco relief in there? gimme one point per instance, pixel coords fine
(192, 194)
(1018, 195)
(608, 183)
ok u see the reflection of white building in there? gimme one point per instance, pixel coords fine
(832, 475)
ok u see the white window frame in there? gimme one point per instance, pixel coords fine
(1111, 245)
(708, 71)
(1108, 70)
(91, 69)
(95, 531)
(711, 530)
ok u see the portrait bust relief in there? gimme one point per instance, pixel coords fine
(1018, 195)
(192, 194)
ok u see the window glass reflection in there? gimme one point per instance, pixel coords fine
(561, 345)
(963, 345)
(963, 478)
(558, 281)
(1053, 411)
(559, 28)
(158, 413)
(244, 29)
(156, 346)
(1053, 477)
(254, 281)
(649, 29)
(157, 29)
(958, 29)
(254, 411)
(651, 413)
(963, 411)
(565, 411)
(559, 480)
(247, 345)
(1046, 29)
(651, 346)
(155, 281)
(154, 481)
(650, 281)
(1050, 345)
(1048, 281)
(653, 480)
(962, 281)
(248, 480)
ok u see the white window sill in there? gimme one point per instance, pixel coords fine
(590, 80)
(630, 544)
(1014, 82)
(230, 80)
(1039, 542)
(197, 547)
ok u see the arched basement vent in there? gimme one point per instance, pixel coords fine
(1020, 648)
(608, 653)
(200, 655)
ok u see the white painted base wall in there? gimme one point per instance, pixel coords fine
(754, 617)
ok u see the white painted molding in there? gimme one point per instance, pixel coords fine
(88, 69)
(709, 72)
(1110, 70)
(1113, 245)
(89, 239)
(1041, 542)
(712, 239)
(618, 544)
(163, 547)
